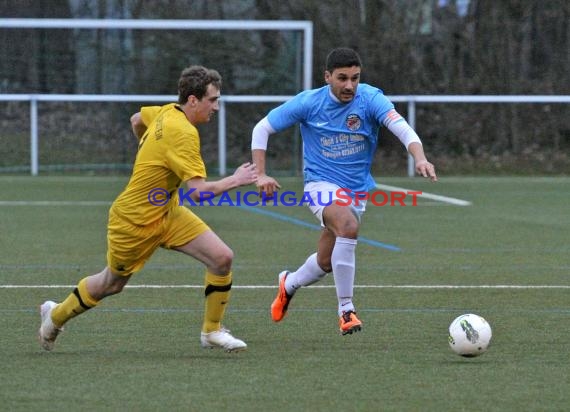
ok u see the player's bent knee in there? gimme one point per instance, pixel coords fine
(325, 264)
(116, 288)
(222, 262)
(113, 284)
(224, 265)
(348, 230)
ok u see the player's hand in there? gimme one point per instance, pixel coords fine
(267, 185)
(426, 169)
(246, 174)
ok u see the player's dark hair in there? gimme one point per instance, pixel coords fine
(194, 80)
(342, 57)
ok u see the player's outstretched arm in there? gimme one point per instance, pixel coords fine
(265, 184)
(259, 137)
(423, 167)
(244, 175)
(409, 138)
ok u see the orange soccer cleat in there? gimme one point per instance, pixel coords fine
(349, 323)
(281, 302)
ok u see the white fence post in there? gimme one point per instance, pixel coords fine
(412, 123)
(34, 153)
(222, 139)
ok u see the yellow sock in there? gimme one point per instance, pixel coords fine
(75, 304)
(217, 296)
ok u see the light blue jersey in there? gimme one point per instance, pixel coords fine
(339, 138)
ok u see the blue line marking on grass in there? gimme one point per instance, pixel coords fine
(300, 222)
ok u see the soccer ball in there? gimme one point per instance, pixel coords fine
(469, 335)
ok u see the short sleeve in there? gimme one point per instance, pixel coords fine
(149, 113)
(183, 157)
(287, 114)
(380, 106)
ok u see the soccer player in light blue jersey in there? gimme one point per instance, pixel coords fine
(339, 126)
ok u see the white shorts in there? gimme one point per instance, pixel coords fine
(324, 194)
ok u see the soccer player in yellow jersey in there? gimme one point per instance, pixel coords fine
(140, 220)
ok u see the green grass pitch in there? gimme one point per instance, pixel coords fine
(505, 257)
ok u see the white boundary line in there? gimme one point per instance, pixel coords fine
(312, 287)
(439, 198)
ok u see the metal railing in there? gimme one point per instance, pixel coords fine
(411, 100)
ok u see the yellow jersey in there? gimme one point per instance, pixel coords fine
(168, 154)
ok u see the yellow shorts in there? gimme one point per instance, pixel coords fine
(130, 246)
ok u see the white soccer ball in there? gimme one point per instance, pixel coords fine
(469, 335)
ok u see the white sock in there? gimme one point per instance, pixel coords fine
(310, 272)
(343, 262)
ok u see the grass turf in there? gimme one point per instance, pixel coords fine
(140, 350)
